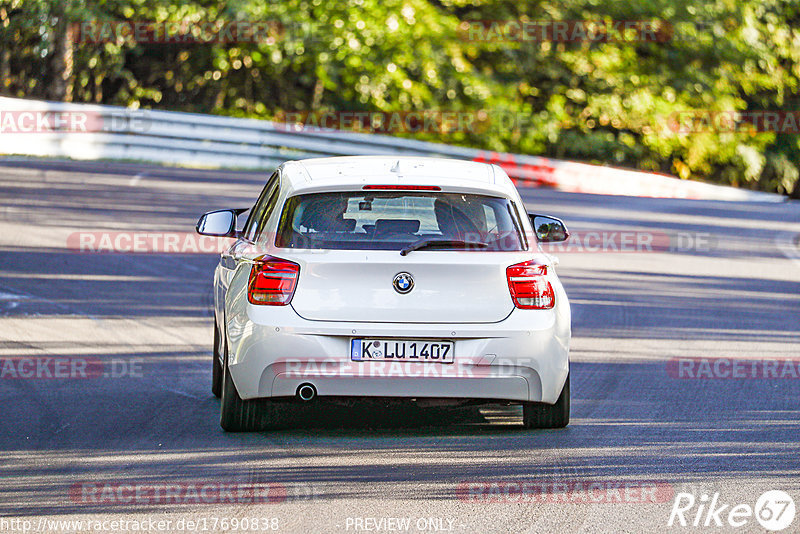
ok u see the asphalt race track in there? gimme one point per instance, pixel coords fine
(132, 433)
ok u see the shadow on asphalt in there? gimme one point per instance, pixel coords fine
(679, 430)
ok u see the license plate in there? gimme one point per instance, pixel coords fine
(404, 350)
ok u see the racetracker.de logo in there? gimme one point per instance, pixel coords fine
(147, 243)
(732, 121)
(565, 491)
(731, 369)
(633, 241)
(68, 367)
(431, 121)
(48, 121)
(177, 32)
(303, 368)
(566, 31)
(197, 492)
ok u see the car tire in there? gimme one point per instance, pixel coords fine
(238, 415)
(216, 366)
(542, 415)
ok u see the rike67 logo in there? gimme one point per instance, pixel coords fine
(774, 510)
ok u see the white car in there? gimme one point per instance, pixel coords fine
(417, 279)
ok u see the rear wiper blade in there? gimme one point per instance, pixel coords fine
(442, 243)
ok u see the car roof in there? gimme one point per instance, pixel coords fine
(330, 174)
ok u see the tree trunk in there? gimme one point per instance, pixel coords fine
(61, 63)
(5, 53)
(316, 100)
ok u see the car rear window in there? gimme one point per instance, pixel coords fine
(390, 220)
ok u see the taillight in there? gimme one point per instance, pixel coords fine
(402, 188)
(529, 286)
(272, 281)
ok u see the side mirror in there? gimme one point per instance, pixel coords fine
(549, 229)
(220, 223)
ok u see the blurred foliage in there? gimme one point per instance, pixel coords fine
(601, 102)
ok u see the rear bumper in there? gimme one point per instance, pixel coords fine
(525, 357)
(501, 388)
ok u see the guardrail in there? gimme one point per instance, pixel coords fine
(85, 131)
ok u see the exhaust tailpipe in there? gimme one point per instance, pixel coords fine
(306, 392)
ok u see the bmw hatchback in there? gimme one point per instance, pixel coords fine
(388, 278)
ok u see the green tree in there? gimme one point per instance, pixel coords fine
(610, 102)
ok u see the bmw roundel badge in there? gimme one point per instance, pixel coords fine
(403, 283)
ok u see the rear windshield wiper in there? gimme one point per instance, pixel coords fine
(442, 243)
